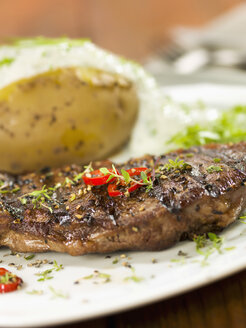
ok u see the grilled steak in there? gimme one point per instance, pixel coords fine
(206, 194)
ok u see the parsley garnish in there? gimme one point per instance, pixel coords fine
(176, 164)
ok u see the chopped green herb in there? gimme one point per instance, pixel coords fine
(99, 275)
(212, 169)
(217, 160)
(176, 164)
(115, 261)
(78, 177)
(72, 198)
(216, 240)
(29, 257)
(35, 292)
(88, 168)
(215, 244)
(38, 197)
(6, 61)
(103, 275)
(68, 182)
(4, 279)
(9, 191)
(23, 201)
(89, 277)
(134, 278)
(181, 260)
(57, 293)
(230, 248)
(45, 275)
(57, 267)
(242, 219)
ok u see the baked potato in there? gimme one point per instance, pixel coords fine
(65, 115)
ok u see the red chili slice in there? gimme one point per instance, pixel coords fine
(12, 284)
(134, 187)
(113, 191)
(97, 178)
(136, 171)
(112, 188)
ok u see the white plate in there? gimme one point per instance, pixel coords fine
(171, 275)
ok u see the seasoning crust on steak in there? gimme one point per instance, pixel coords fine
(182, 202)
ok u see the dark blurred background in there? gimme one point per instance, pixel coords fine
(134, 28)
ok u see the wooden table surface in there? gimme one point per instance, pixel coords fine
(134, 29)
(219, 305)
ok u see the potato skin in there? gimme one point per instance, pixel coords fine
(68, 115)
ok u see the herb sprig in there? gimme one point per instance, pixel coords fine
(176, 164)
(98, 275)
(87, 169)
(213, 243)
(39, 198)
(46, 275)
(134, 277)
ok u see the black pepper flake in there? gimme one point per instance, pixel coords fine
(217, 212)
